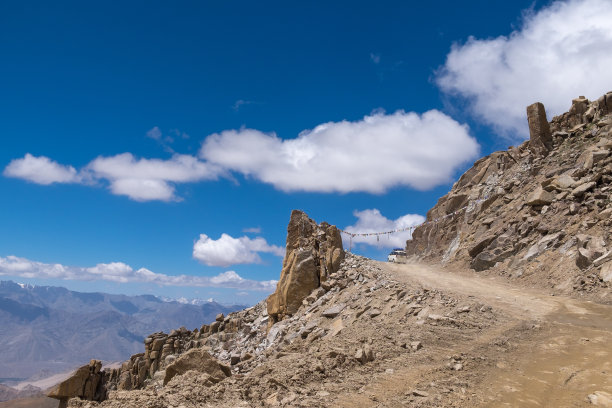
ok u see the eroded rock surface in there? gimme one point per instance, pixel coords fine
(87, 382)
(313, 255)
(518, 212)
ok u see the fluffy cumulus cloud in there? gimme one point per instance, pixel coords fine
(369, 221)
(123, 273)
(370, 155)
(149, 179)
(228, 250)
(559, 53)
(139, 179)
(41, 170)
(373, 155)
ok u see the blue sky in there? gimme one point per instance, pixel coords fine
(135, 134)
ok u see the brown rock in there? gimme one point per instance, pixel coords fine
(583, 258)
(540, 197)
(87, 382)
(578, 109)
(540, 137)
(214, 326)
(563, 182)
(125, 381)
(480, 245)
(605, 103)
(198, 360)
(158, 343)
(313, 253)
(583, 188)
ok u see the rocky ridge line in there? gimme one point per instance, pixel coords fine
(539, 213)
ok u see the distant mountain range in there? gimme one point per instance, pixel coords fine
(47, 330)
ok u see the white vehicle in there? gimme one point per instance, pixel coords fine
(398, 255)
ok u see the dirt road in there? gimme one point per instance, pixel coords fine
(566, 363)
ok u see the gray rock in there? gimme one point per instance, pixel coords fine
(334, 311)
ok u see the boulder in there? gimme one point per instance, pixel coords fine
(540, 197)
(584, 258)
(364, 354)
(589, 249)
(578, 110)
(86, 382)
(313, 253)
(563, 182)
(605, 103)
(540, 137)
(198, 360)
(333, 311)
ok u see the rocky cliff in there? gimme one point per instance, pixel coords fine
(540, 212)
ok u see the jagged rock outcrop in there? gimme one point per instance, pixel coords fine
(87, 382)
(540, 138)
(313, 258)
(313, 254)
(525, 212)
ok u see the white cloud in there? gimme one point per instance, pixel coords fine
(375, 58)
(143, 189)
(123, 273)
(154, 133)
(149, 179)
(41, 170)
(228, 250)
(559, 53)
(369, 221)
(253, 230)
(370, 155)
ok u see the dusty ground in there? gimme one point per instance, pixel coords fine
(565, 360)
(481, 342)
(34, 402)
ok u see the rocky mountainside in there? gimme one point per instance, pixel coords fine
(52, 329)
(359, 322)
(539, 213)
(346, 331)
